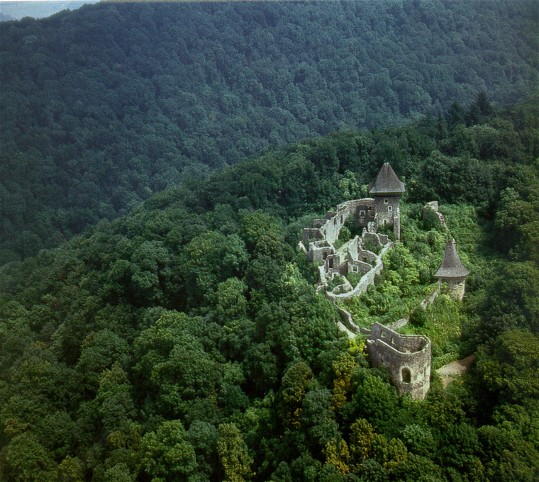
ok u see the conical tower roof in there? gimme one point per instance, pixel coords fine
(451, 264)
(386, 182)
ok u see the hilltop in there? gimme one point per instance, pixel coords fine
(187, 341)
(104, 106)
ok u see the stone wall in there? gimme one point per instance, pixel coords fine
(310, 234)
(456, 287)
(432, 207)
(358, 267)
(366, 280)
(406, 357)
(319, 250)
(334, 223)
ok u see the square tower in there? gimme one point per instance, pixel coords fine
(387, 190)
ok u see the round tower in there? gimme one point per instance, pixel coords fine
(452, 271)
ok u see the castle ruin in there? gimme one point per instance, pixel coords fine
(406, 357)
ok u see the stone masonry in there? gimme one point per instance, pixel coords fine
(406, 357)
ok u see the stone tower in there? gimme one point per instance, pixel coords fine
(387, 190)
(406, 357)
(452, 271)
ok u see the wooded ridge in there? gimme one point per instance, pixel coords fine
(186, 341)
(104, 106)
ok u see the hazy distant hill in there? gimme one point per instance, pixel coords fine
(102, 106)
(5, 18)
(18, 10)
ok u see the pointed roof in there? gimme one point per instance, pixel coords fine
(386, 182)
(451, 264)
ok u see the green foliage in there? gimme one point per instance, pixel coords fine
(442, 323)
(293, 387)
(104, 106)
(233, 454)
(418, 317)
(26, 459)
(508, 366)
(166, 453)
(187, 341)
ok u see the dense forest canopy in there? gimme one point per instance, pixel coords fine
(186, 341)
(106, 105)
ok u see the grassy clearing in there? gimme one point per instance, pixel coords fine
(443, 324)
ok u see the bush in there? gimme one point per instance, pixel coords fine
(418, 317)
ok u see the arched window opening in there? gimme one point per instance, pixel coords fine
(406, 375)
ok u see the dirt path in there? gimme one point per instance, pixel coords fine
(450, 371)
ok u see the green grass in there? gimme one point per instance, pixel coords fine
(443, 327)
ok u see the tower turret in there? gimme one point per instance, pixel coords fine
(452, 271)
(387, 190)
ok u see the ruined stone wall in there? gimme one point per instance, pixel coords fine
(397, 223)
(319, 250)
(330, 227)
(310, 234)
(359, 267)
(353, 247)
(334, 223)
(366, 280)
(432, 207)
(406, 357)
(332, 265)
(456, 288)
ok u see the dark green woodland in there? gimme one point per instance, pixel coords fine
(102, 107)
(186, 341)
(158, 163)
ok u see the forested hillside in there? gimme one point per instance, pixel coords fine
(186, 341)
(104, 106)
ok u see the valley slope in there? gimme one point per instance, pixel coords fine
(187, 341)
(103, 106)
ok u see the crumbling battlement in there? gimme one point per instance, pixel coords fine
(406, 357)
(432, 208)
(329, 228)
